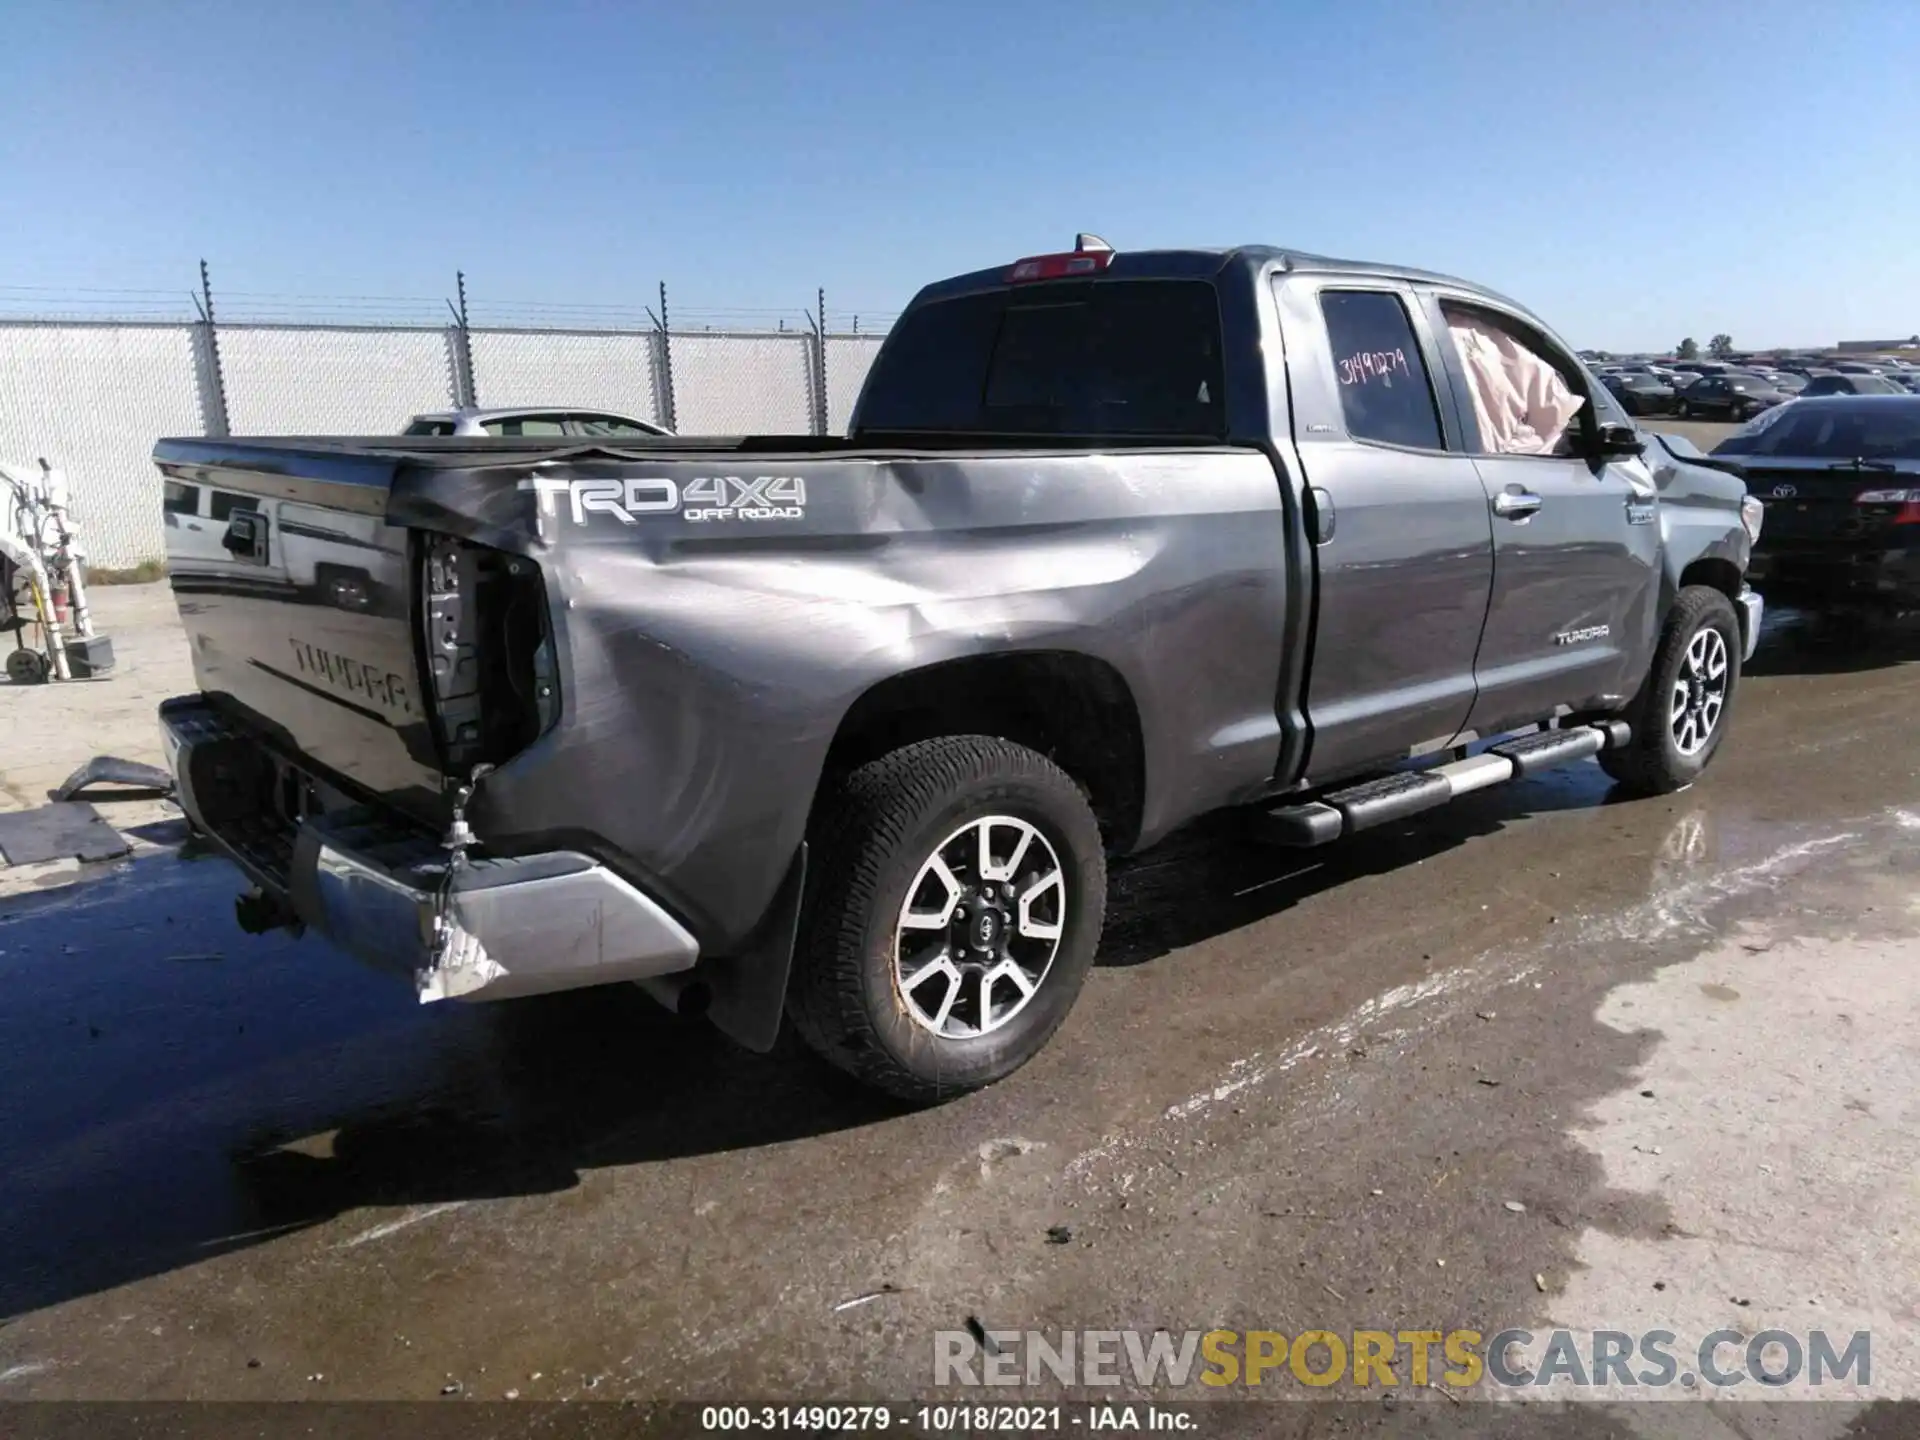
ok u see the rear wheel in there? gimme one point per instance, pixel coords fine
(1681, 713)
(961, 891)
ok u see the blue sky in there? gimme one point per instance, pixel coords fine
(1634, 171)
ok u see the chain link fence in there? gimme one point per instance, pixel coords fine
(92, 392)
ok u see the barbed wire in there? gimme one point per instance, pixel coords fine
(45, 304)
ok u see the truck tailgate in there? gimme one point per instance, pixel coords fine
(322, 655)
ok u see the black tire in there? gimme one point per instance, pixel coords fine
(1655, 762)
(29, 667)
(875, 834)
(1682, 410)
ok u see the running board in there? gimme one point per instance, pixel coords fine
(1408, 792)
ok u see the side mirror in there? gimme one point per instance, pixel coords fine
(246, 536)
(1614, 441)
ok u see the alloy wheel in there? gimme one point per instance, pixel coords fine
(980, 927)
(1699, 695)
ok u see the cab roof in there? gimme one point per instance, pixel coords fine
(1209, 264)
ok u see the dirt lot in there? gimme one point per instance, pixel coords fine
(1543, 1059)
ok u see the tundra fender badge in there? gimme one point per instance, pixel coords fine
(1583, 635)
(1640, 512)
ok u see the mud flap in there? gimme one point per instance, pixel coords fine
(747, 992)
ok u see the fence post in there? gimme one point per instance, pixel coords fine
(465, 391)
(210, 375)
(819, 324)
(663, 364)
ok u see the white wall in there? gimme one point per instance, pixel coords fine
(328, 381)
(559, 367)
(92, 399)
(742, 385)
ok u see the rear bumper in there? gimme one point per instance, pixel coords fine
(1890, 573)
(379, 886)
(1753, 610)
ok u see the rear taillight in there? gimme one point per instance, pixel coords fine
(1907, 499)
(490, 665)
(1089, 256)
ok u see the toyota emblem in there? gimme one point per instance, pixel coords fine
(1785, 492)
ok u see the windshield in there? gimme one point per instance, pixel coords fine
(1116, 357)
(1872, 431)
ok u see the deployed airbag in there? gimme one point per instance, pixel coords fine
(1522, 403)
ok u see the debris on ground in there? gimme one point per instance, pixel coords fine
(61, 831)
(888, 1289)
(1516, 1207)
(1059, 1234)
(144, 782)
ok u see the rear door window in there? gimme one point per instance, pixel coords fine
(179, 499)
(602, 425)
(526, 425)
(1386, 394)
(1115, 357)
(225, 502)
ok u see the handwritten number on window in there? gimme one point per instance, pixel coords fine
(1364, 367)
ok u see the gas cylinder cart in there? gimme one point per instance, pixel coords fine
(43, 596)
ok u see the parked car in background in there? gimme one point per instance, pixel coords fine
(1641, 394)
(567, 420)
(1729, 397)
(1840, 478)
(1855, 367)
(1836, 383)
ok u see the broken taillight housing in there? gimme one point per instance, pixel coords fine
(492, 680)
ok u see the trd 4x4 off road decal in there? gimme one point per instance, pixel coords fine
(706, 497)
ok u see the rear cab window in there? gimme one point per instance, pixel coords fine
(1071, 358)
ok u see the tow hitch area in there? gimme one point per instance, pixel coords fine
(1393, 797)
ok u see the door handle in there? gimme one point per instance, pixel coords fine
(1513, 503)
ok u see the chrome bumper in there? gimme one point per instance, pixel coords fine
(498, 928)
(1753, 610)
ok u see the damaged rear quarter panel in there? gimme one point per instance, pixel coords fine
(706, 664)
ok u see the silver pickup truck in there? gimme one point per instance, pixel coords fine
(846, 729)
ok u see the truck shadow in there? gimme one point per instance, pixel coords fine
(1210, 879)
(171, 1090)
(1805, 641)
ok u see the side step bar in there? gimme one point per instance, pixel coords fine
(1407, 792)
